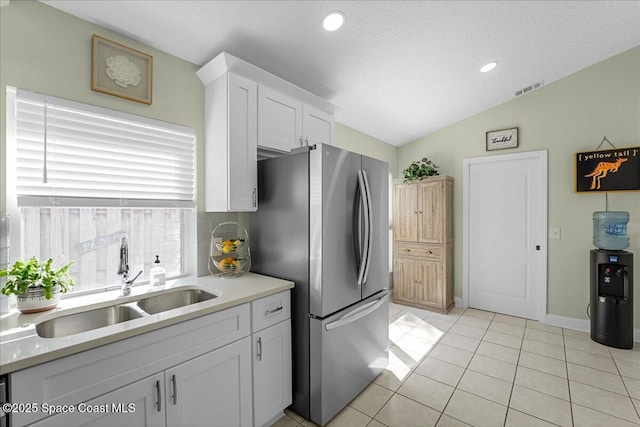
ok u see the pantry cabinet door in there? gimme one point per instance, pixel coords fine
(405, 212)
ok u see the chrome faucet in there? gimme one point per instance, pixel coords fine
(123, 268)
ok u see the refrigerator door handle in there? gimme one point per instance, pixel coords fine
(368, 227)
(356, 314)
(365, 250)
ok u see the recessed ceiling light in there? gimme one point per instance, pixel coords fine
(490, 66)
(333, 20)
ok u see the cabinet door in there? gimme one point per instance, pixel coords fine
(242, 145)
(138, 404)
(419, 281)
(405, 212)
(429, 283)
(431, 212)
(213, 389)
(318, 127)
(404, 282)
(279, 120)
(272, 377)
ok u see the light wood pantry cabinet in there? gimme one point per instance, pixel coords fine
(423, 243)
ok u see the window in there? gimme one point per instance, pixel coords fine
(80, 176)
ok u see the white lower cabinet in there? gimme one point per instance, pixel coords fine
(272, 379)
(271, 360)
(211, 390)
(138, 404)
(208, 371)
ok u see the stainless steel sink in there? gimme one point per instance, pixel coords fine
(88, 320)
(175, 299)
(83, 321)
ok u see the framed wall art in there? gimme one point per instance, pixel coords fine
(608, 170)
(121, 71)
(501, 139)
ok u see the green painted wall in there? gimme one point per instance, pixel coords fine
(48, 51)
(564, 117)
(358, 142)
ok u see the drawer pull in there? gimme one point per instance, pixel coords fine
(259, 353)
(430, 251)
(407, 250)
(275, 310)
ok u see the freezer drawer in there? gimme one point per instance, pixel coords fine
(348, 350)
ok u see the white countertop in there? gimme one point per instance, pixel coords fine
(21, 347)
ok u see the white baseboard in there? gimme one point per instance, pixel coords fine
(583, 325)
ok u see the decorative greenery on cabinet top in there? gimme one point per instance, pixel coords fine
(420, 170)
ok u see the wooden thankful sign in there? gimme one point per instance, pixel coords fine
(608, 170)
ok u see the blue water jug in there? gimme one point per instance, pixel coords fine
(610, 230)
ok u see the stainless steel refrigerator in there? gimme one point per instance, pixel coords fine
(322, 222)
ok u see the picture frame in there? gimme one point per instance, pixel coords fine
(601, 171)
(501, 139)
(121, 71)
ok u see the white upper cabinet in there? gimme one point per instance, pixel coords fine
(231, 138)
(318, 126)
(279, 120)
(285, 123)
(247, 108)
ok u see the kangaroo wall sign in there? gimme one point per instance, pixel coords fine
(608, 170)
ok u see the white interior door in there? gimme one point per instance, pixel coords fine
(505, 217)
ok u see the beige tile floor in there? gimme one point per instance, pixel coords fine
(477, 368)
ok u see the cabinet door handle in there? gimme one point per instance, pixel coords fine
(268, 312)
(158, 397)
(174, 389)
(254, 196)
(259, 354)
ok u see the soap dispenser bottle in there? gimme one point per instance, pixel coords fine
(157, 273)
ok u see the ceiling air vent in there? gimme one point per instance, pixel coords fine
(534, 86)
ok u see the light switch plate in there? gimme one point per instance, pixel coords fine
(554, 233)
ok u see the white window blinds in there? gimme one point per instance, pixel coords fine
(73, 154)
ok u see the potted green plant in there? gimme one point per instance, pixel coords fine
(420, 170)
(36, 284)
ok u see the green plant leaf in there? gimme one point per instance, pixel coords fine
(21, 276)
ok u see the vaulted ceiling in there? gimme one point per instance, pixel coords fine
(397, 70)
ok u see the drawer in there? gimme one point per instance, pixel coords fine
(409, 250)
(270, 310)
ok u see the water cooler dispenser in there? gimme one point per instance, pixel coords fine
(611, 276)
